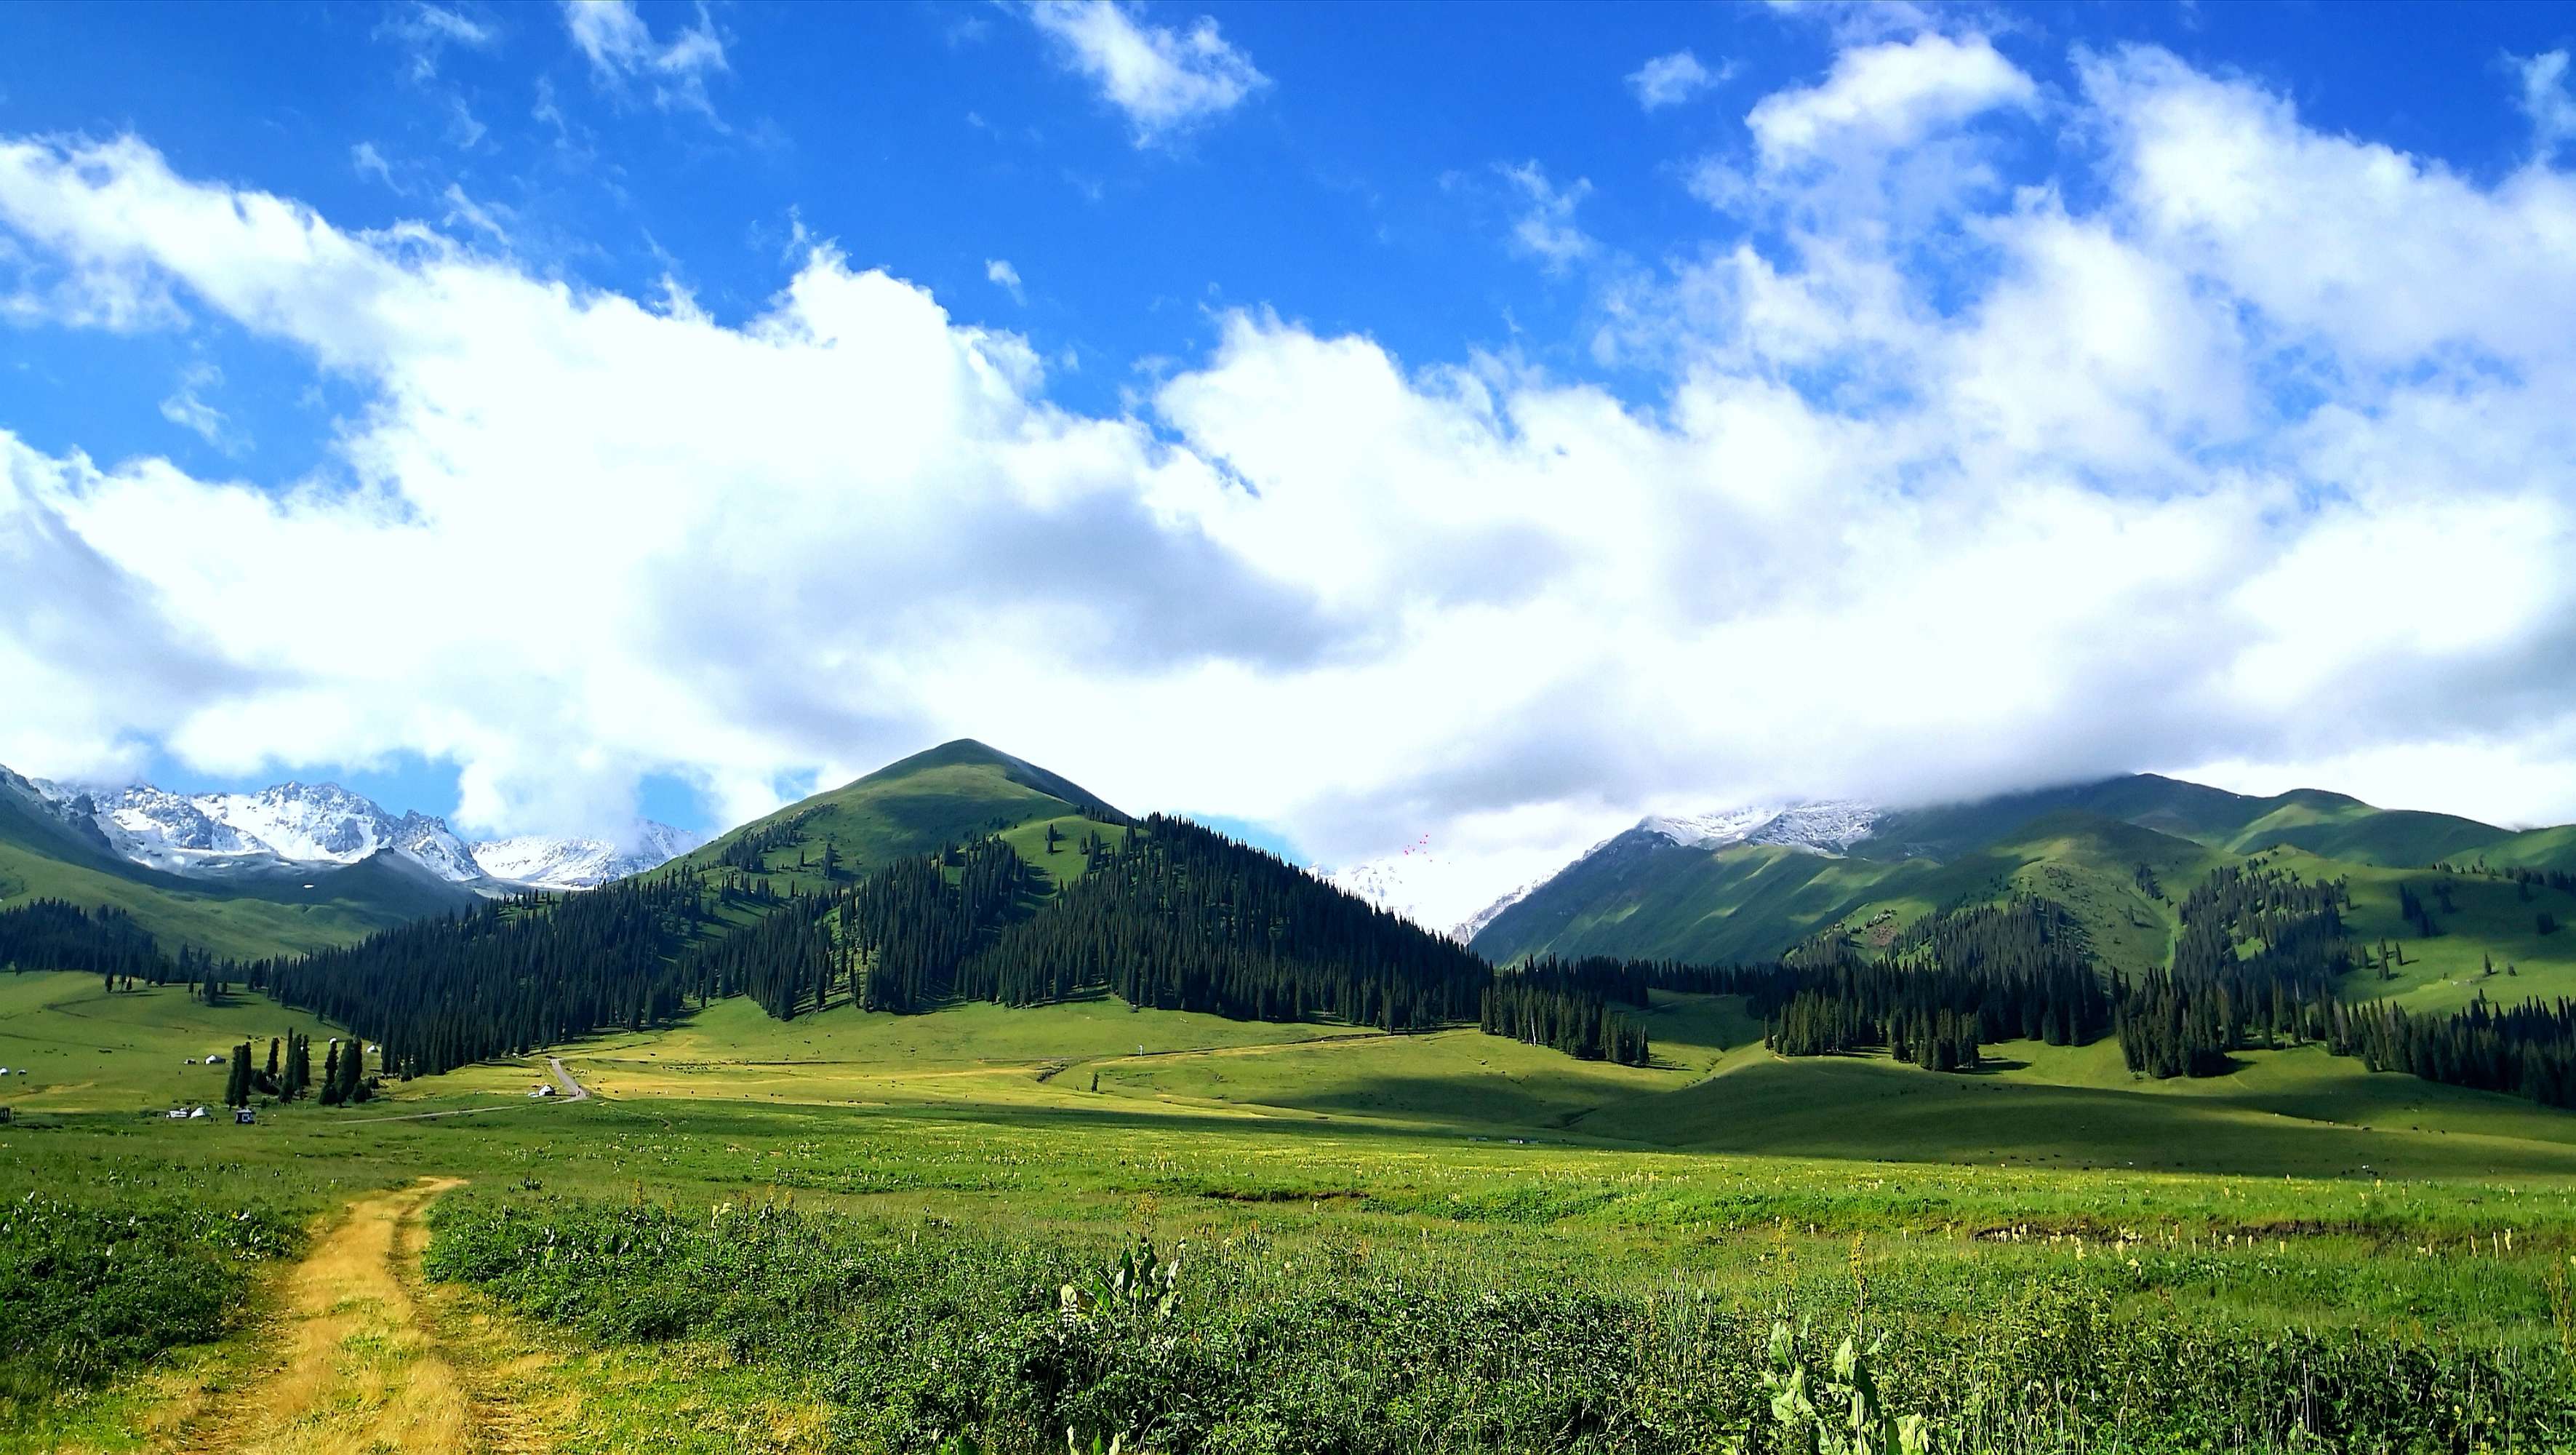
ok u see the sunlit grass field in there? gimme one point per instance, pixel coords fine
(2301, 1198)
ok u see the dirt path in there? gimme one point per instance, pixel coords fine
(363, 1365)
(573, 1090)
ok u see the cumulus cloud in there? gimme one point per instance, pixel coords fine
(2241, 444)
(623, 52)
(1671, 80)
(1888, 95)
(1165, 80)
(2547, 100)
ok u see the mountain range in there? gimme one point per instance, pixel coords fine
(296, 866)
(1750, 883)
(287, 826)
(286, 870)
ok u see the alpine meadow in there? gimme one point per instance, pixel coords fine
(1826, 729)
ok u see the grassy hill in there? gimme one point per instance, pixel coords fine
(41, 857)
(2083, 846)
(955, 791)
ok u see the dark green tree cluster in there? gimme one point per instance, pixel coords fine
(2528, 1051)
(787, 961)
(2217, 998)
(505, 977)
(1936, 1040)
(344, 1073)
(750, 850)
(2411, 905)
(928, 935)
(1568, 1007)
(1946, 985)
(295, 1070)
(1184, 918)
(54, 934)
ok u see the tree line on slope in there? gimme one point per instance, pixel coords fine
(505, 977)
(1176, 917)
(2258, 965)
(1182, 918)
(1571, 1007)
(54, 934)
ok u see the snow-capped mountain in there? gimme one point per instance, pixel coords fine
(292, 825)
(1404, 882)
(286, 824)
(552, 863)
(1830, 827)
(1468, 928)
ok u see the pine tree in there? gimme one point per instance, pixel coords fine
(299, 1064)
(237, 1077)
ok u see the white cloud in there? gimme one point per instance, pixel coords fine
(2547, 100)
(473, 214)
(188, 410)
(1546, 228)
(1888, 95)
(367, 161)
(1673, 79)
(2236, 443)
(1000, 273)
(623, 50)
(1165, 80)
(426, 31)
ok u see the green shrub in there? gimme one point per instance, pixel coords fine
(922, 1335)
(88, 1288)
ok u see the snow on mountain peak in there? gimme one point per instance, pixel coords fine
(1727, 826)
(564, 863)
(1829, 827)
(1406, 882)
(308, 824)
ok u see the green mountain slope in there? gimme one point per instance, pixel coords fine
(41, 857)
(955, 791)
(1643, 896)
(2120, 853)
(2535, 849)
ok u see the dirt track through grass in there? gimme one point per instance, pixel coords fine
(364, 1365)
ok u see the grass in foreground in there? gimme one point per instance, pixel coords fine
(857, 1266)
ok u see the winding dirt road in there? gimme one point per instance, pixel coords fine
(365, 1363)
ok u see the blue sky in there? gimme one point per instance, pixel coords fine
(1358, 191)
(1683, 248)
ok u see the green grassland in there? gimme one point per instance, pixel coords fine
(1712, 1087)
(914, 1188)
(85, 1048)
